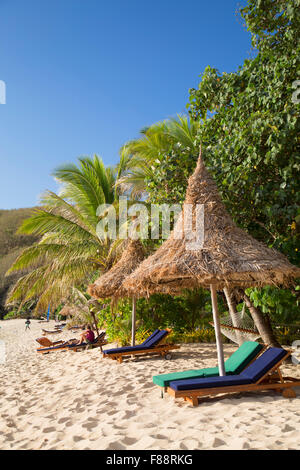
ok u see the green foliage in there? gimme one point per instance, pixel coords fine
(11, 245)
(158, 163)
(201, 335)
(250, 128)
(281, 305)
(188, 316)
(286, 335)
(250, 131)
(70, 250)
(15, 314)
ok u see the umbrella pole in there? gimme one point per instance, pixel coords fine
(133, 321)
(217, 330)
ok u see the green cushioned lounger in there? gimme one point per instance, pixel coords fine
(233, 366)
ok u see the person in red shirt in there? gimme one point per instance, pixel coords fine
(87, 335)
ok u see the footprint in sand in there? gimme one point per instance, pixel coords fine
(287, 428)
(51, 429)
(116, 446)
(90, 425)
(63, 420)
(129, 441)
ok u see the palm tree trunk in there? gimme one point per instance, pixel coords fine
(264, 327)
(233, 314)
(95, 322)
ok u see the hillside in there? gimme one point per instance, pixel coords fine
(11, 245)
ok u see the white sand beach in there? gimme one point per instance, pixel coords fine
(68, 400)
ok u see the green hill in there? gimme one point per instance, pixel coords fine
(11, 245)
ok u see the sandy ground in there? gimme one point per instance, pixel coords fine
(68, 400)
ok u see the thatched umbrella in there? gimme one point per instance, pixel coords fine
(228, 257)
(69, 311)
(110, 283)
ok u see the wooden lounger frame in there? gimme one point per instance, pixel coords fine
(160, 349)
(272, 380)
(165, 389)
(98, 344)
(52, 343)
(76, 348)
(54, 332)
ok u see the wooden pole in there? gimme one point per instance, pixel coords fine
(133, 321)
(217, 330)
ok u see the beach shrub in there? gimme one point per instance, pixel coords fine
(188, 316)
(287, 334)
(16, 314)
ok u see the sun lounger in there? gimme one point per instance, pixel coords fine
(51, 332)
(74, 346)
(47, 343)
(59, 327)
(263, 374)
(234, 365)
(152, 345)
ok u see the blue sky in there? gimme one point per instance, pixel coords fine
(84, 76)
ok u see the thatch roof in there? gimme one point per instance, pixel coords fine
(110, 283)
(229, 256)
(72, 310)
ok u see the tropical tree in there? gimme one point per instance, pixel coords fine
(159, 144)
(69, 251)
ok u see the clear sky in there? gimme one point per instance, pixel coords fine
(84, 76)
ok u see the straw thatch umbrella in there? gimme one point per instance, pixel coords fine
(228, 257)
(69, 311)
(110, 283)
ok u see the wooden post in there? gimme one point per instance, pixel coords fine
(133, 321)
(217, 330)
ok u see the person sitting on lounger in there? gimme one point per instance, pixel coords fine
(87, 335)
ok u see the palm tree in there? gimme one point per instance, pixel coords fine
(138, 157)
(69, 251)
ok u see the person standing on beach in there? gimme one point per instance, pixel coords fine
(27, 324)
